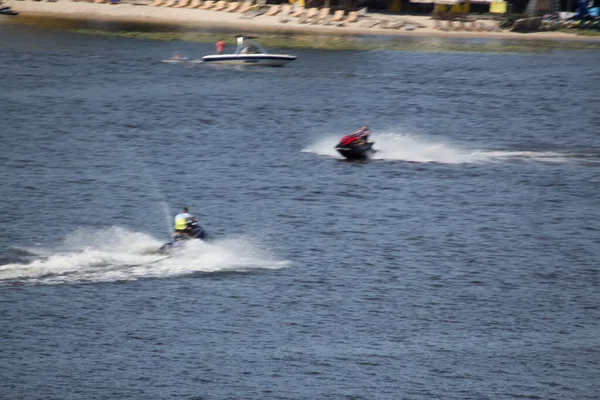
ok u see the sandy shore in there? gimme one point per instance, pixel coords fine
(425, 26)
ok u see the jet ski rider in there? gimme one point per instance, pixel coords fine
(362, 134)
(182, 222)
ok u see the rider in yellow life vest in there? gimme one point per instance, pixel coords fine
(182, 220)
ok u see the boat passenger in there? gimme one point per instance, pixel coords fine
(220, 46)
(249, 50)
(182, 222)
(363, 133)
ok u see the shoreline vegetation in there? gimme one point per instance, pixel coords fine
(167, 24)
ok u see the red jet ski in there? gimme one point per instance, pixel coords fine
(353, 147)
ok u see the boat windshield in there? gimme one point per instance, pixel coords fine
(249, 46)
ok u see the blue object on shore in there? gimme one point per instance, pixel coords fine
(594, 11)
(582, 8)
(7, 11)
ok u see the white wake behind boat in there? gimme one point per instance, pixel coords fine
(250, 52)
(175, 60)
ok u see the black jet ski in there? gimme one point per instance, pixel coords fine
(7, 11)
(194, 231)
(353, 148)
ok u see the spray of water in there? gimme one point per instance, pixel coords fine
(393, 146)
(167, 214)
(117, 254)
(155, 188)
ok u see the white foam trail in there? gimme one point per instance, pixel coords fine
(549, 157)
(120, 255)
(392, 146)
(113, 240)
(82, 264)
(422, 149)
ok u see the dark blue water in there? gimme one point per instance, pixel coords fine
(461, 263)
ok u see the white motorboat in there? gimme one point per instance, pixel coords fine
(249, 52)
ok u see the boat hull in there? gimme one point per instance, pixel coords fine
(264, 60)
(177, 243)
(356, 152)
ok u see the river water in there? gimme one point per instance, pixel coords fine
(461, 263)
